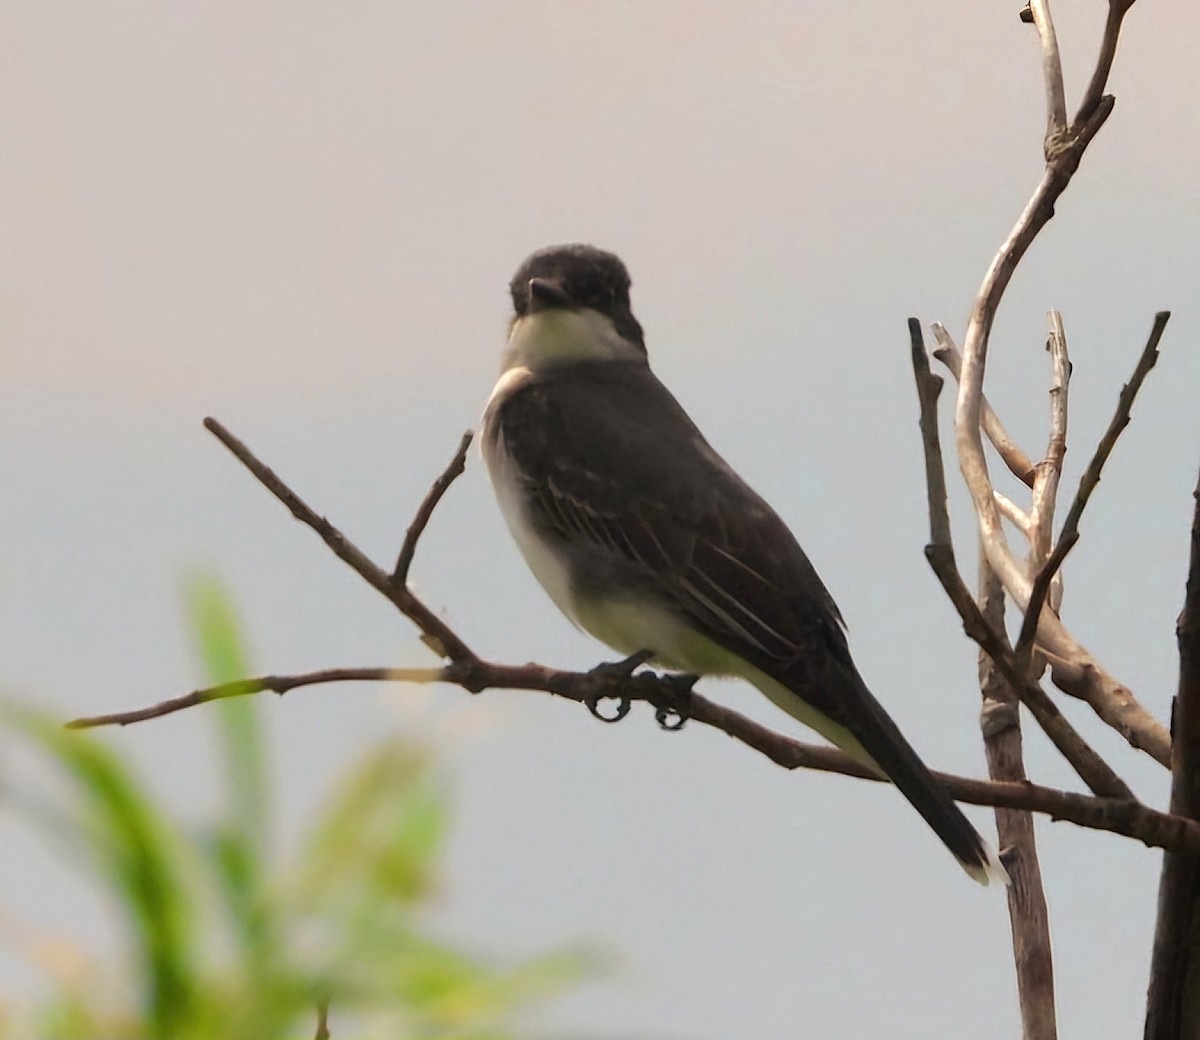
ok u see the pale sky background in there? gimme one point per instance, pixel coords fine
(301, 218)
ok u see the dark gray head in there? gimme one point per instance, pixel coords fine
(573, 277)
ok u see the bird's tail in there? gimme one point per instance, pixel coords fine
(886, 747)
(869, 735)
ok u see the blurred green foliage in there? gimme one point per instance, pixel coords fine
(222, 941)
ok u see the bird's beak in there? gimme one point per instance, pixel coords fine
(545, 295)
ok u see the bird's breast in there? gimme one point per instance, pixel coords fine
(547, 563)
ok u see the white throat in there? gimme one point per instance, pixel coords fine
(545, 338)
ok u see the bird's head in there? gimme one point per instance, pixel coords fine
(571, 303)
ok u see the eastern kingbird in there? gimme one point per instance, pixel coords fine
(647, 539)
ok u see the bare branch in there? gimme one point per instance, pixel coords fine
(1174, 996)
(669, 697)
(1028, 916)
(1173, 1001)
(279, 684)
(1045, 484)
(1019, 464)
(1075, 671)
(1080, 675)
(968, 409)
(435, 633)
(432, 498)
(1119, 816)
(1092, 769)
(1093, 96)
(1087, 484)
(1056, 102)
(929, 386)
(1049, 471)
(1012, 512)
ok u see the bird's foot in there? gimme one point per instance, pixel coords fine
(672, 714)
(612, 683)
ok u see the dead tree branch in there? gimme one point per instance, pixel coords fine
(417, 528)
(1173, 1001)
(1078, 671)
(1052, 74)
(1069, 534)
(664, 693)
(968, 410)
(435, 633)
(1073, 668)
(1092, 769)
(1093, 96)
(1028, 916)
(1018, 463)
(1118, 816)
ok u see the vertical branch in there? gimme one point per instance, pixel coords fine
(1028, 916)
(1045, 484)
(1056, 100)
(1173, 1001)
(1093, 770)
(1094, 94)
(1063, 155)
(1047, 475)
(1019, 464)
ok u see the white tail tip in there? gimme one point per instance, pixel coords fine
(991, 871)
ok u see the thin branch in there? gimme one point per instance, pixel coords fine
(967, 416)
(1061, 163)
(1080, 675)
(1056, 102)
(435, 633)
(1119, 816)
(279, 684)
(1049, 471)
(440, 486)
(929, 387)
(1019, 464)
(1074, 670)
(1092, 769)
(1028, 916)
(1094, 94)
(1087, 484)
(1013, 513)
(322, 1021)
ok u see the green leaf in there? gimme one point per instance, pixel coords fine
(216, 629)
(138, 852)
(376, 840)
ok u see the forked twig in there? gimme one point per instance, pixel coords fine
(1019, 464)
(1092, 769)
(1087, 484)
(434, 631)
(1073, 668)
(1117, 815)
(440, 486)
(1052, 75)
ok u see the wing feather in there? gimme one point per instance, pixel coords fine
(640, 496)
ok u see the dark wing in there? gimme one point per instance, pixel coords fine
(637, 483)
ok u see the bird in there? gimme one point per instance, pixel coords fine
(648, 540)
